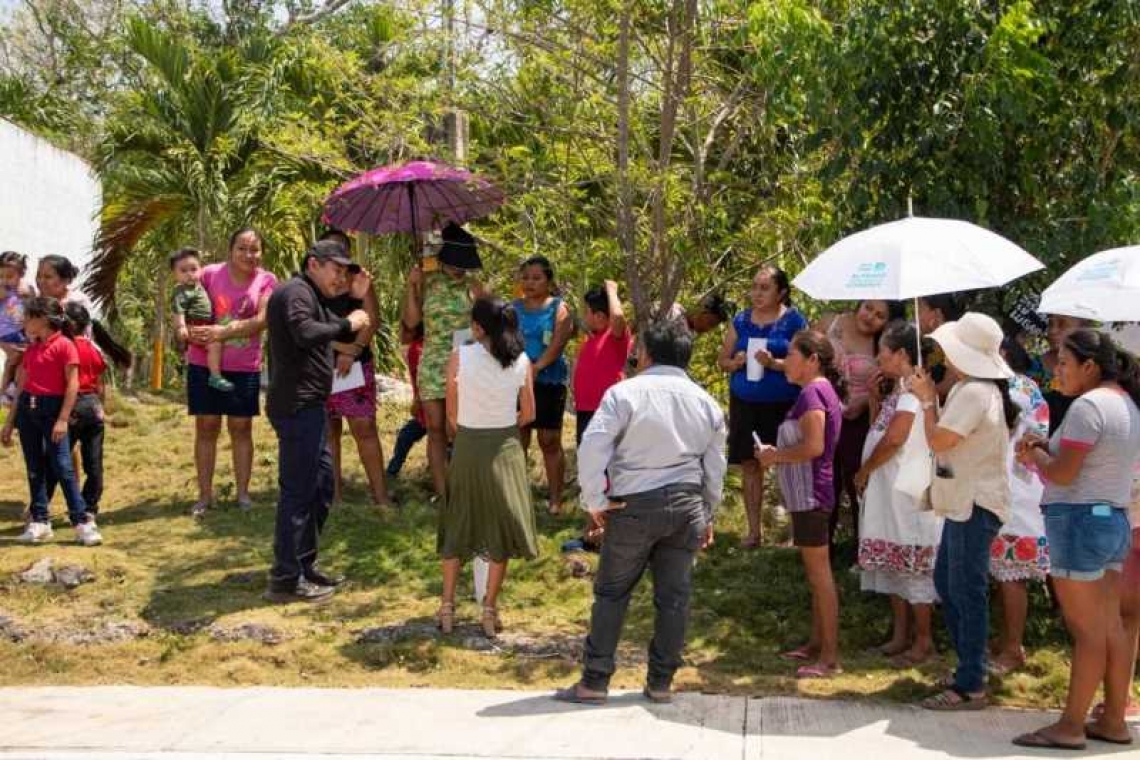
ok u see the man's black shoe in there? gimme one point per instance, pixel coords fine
(305, 591)
(315, 575)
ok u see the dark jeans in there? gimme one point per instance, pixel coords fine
(35, 418)
(410, 434)
(661, 530)
(86, 430)
(961, 577)
(305, 480)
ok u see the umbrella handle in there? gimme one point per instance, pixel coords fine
(918, 332)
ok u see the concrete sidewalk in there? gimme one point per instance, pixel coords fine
(192, 723)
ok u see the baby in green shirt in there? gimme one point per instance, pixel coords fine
(191, 307)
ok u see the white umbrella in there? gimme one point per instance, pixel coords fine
(1104, 287)
(914, 257)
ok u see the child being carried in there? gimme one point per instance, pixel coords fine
(13, 293)
(192, 307)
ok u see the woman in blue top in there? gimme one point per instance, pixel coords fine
(759, 404)
(546, 326)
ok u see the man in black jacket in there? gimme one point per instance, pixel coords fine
(301, 333)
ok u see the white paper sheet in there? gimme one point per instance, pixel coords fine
(353, 380)
(755, 368)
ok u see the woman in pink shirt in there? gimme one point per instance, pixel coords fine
(239, 290)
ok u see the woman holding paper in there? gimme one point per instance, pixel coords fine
(354, 390)
(755, 344)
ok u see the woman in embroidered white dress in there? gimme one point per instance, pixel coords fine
(1020, 552)
(898, 540)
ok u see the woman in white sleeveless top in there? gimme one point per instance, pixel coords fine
(488, 511)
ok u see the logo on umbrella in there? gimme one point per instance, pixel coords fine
(869, 275)
(1104, 270)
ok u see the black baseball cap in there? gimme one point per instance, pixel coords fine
(332, 250)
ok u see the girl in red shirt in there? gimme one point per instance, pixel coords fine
(47, 387)
(86, 427)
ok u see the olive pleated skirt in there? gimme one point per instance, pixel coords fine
(488, 511)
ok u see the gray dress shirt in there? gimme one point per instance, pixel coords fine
(659, 428)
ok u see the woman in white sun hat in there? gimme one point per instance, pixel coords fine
(970, 437)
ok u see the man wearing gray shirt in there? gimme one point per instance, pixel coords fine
(660, 439)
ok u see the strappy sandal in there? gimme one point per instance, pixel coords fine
(445, 617)
(955, 700)
(491, 622)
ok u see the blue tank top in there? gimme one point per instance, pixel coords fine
(773, 386)
(537, 328)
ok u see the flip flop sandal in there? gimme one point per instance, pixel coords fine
(657, 697)
(572, 696)
(818, 671)
(1092, 732)
(1037, 740)
(955, 700)
(799, 654)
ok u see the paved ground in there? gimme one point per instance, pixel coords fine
(118, 723)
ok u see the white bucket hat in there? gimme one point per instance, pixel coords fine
(973, 346)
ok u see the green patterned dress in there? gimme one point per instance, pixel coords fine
(446, 311)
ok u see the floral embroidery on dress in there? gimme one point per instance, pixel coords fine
(880, 554)
(1019, 558)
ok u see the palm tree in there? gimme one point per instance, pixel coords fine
(184, 159)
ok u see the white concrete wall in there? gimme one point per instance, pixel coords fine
(49, 200)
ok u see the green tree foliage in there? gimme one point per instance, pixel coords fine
(756, 131)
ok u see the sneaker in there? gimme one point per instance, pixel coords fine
(245, 505)
(88, 534)
(198, 511)
(35, 533)
(219, 383)
(305, 591)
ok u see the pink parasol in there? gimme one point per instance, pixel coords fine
(411, 197)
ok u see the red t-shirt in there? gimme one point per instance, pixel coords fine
(601, 364)
(46, 363)
(91, 365)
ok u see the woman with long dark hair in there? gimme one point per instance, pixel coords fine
(970, 438)
(239, 288)
(760, 393)
(488, 511)
(546, 326)
(898, 539)
(855, 337)
(804, 458)
(55, 276)
(48, 385)
(1088, 466)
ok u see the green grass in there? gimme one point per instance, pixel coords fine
(174, 574)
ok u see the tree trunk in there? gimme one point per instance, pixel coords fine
(626, 234)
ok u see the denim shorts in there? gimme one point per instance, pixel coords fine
(1086, 540)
